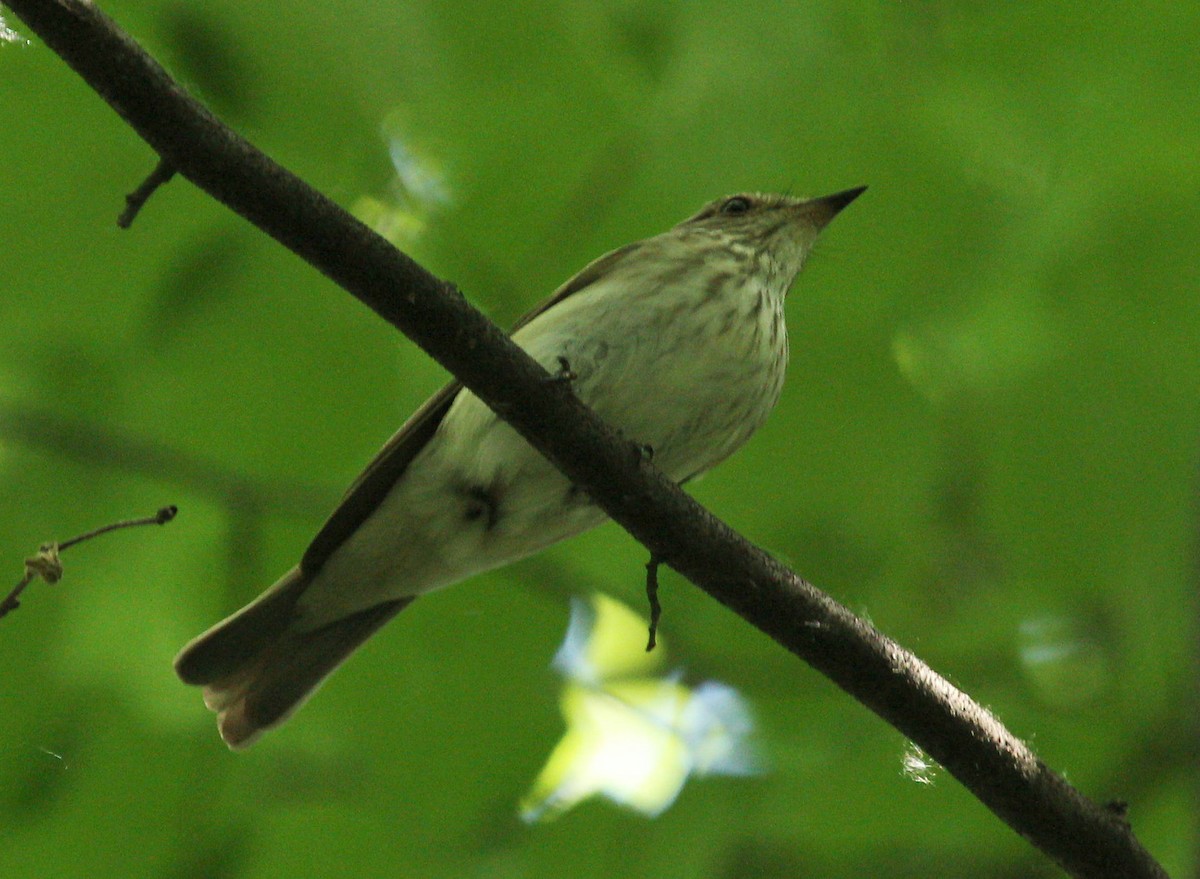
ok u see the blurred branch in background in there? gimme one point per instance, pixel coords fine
(100, 446)
(1087, 840)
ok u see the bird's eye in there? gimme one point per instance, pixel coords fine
(735, 206)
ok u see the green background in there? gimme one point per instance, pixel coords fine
(987, 444)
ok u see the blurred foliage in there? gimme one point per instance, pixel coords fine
(635, 732)
(988, 443)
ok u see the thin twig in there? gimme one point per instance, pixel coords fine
(162, 172)
(47, 566)
(652, 595)
(11, 601)
(162, 517)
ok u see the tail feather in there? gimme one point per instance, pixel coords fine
(237, 640)
(266, 691)
(256, 669)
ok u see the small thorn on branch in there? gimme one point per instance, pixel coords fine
(47, 565)
(162, 172)
(652, 595)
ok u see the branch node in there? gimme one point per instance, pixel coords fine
(46, 564)
(1119, 809)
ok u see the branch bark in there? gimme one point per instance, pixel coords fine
(1084, 838)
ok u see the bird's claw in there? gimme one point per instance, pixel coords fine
(565, 374)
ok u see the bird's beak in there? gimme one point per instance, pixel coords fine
(822, 210)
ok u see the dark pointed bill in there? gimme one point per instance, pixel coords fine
(827, 207)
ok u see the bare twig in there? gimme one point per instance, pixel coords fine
(11, 601)
(46, 564)
(998, 768)
(162, 172)
(162, 517)
(652, 595)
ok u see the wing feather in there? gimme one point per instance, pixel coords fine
(373, 485)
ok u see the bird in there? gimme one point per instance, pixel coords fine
(678, 341)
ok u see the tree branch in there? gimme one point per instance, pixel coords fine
(1087, 840)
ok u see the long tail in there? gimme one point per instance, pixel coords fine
(257, 668)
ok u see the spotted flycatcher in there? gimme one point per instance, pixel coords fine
(677, 341)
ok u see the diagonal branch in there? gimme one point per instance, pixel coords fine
(1087, 840)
